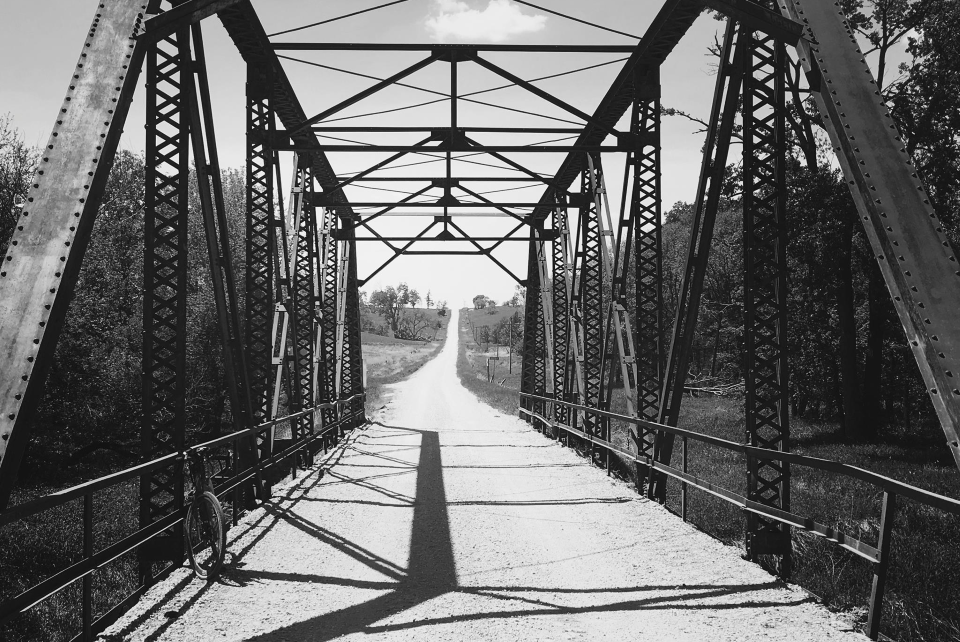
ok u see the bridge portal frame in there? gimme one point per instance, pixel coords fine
(579, 345)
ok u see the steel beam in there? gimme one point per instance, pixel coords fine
(533, 365)
(645, 204)
(589, 296)
(666, 30)
(462, 51)
(765, 289)
(261, 240)
(39, 272)
(917, 261)
(165, 272)
(329, 311)
(560, 289)
(305, 295)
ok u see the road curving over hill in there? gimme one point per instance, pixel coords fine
(445, 520)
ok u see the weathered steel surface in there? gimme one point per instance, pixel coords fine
(918, 264)
(38, 274)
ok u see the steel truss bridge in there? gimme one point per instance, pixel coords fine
(298, 338)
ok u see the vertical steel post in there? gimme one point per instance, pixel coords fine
(303, 289)
(261, 241)
(765, 289)
(165, 281)
(561, 307)
(219, 252)
(533, 367)
(351, 378)
(329, 282)
(590, 296)
(646, 205)
(887, 517)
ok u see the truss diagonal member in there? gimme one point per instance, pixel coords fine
(398, 253)
(390, 208)
(40, 270)
(485, 252)
(483, 199)
(366, 93)
(517, 166)
(550, 98)
(338, 186)
(722, 118)
(918, 264)
(666, 30)
(243, 26)
(184, 14)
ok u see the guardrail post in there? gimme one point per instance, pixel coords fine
(88, 578)
(683, 485)
(880, 568)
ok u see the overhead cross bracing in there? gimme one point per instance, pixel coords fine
(476, 159)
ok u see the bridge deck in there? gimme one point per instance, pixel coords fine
(448, 521)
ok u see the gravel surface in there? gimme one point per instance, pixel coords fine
(445, 520)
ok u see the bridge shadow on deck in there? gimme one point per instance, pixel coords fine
(431, 571)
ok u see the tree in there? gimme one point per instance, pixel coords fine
(429, 300)
(17, 165)
(480, 302)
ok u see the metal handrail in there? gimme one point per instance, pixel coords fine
(942, 502)
(91, 561)
(878, 556)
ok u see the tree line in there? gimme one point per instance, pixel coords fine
(393, 311)
(849, 358)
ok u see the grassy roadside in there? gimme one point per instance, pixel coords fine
(922, 601)
(472, 371)
(389, 361)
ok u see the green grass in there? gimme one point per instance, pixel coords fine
(922, 602)
(923, 593)
(472, 370)
(40, 546)
(489, 316)
(376, 383)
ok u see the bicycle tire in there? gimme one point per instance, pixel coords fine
(205, 535)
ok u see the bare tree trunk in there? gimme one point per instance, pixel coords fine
(878, 298)
(849, 380)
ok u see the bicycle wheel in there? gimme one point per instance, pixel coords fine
(206, 544)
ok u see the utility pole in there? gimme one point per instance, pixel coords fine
(510, 358)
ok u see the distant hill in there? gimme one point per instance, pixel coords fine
(492, 316)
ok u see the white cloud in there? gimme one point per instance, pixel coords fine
(502, 19)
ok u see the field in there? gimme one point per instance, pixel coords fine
(472, 362)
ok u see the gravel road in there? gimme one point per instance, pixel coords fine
(445, 520)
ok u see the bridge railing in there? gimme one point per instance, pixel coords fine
(878, 556)
(93, 560)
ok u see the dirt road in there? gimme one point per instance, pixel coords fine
(445, 520)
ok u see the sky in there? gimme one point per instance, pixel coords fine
(39, 51)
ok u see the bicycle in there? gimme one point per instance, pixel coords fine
(204, 527)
